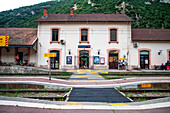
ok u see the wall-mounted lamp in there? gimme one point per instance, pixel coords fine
(69, 51)
(160, 51)
(40, 44)
(98, 51)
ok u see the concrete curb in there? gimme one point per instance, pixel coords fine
(89, 106)
(97, 85)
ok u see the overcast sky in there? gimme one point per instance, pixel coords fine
(12, 4)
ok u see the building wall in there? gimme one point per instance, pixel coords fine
(7, 56)
(10, 56)
(33, 56)
(70, 32)
(155, 47)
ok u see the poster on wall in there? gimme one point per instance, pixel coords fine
(69, 59)
(102, 60)
(96, 59)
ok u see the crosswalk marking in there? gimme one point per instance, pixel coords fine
(82, 76)
(94, 72)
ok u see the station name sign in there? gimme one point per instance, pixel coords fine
(49, 54)
(84, 46)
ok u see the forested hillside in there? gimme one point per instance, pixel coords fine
(145, 13)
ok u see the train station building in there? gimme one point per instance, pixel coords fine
(99, 40)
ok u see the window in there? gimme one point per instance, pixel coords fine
(55, 35)
(113, 34)
(113, 38)
(84, 34)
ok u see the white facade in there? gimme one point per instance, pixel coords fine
(98, 40)
(154, 48)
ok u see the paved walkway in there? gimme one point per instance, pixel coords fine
(14, 109)
(84, 83)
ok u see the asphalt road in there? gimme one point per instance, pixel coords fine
(14, 109)
(109, 95)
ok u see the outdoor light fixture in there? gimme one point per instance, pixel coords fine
(69, 51)
(40, 44)
(98, 51)
(160, 51)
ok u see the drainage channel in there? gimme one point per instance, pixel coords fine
(109, 95)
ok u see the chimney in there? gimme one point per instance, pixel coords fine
(71, 12)
(45, 12)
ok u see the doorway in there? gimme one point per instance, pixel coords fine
(113, 59)
(84, 59)
(144, 59)
(54, 61)
(20, 54)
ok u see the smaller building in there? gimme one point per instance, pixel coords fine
(150, 48)
(22, 44)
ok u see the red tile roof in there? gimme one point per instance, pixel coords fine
(85, 18)
(20, 36)
(150, 34)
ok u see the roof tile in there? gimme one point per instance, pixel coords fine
(150, 34)
(20, 36)
(85, 18)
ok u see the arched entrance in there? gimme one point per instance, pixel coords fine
(113, 59)
(83, 59)
(54, 61)
(144, 59)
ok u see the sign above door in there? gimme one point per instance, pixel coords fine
(84, 46)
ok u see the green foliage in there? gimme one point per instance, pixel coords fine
(142, 99)
(1, 93)
(120, 88)
(153, 15)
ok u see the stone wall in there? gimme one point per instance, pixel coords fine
(19, 69)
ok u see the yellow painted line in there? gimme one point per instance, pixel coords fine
(118, 104)
(80, 73)
(83, 70)
(94, 72)
(71, 71)
(82, 76)
(91, 80)
(73, 103)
